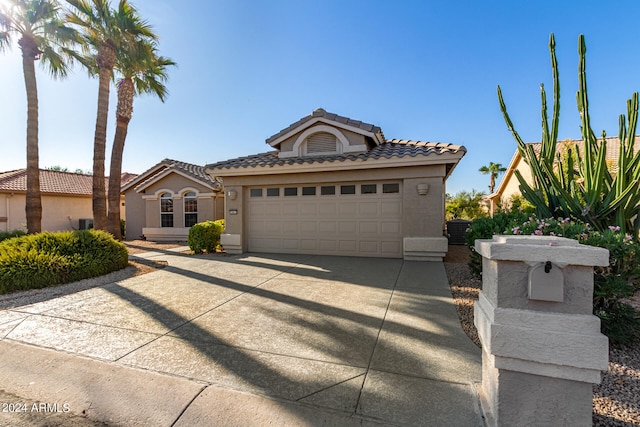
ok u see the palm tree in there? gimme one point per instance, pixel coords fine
(494, 170)
(41, 36)
(143, 71)
(104, 31)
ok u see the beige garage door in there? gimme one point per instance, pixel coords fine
(357, 219)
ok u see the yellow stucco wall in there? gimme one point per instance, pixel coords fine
(59, 213)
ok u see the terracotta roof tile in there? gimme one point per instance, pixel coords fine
(194, 171)
(391, 148)
(52, 182)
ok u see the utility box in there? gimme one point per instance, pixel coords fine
(456, 231)
(542, 349)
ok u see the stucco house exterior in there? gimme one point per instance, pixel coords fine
(166, 200)
(333, 185)
(509, 185)
(66, 200)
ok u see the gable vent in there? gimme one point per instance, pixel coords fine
(321, 142)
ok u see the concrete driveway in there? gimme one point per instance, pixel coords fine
(250, 340)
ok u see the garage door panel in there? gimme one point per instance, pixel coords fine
(369, 227)
(307, 227)
(390, 227)
(327, 208)
(273, 227)
(308, 209)
(391, 208)
(368, 209)
(290, 227)
(348, 227)
(290, 244)
(289, 209)
(348, 209)
(370, 246)
(348, 246)
(327, 227)
(266, 245)
(328, 245)
(308, 244)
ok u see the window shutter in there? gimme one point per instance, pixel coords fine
(321, 142)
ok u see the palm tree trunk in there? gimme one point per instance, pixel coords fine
(123, 116)
(105, 60)
(115, 174)
(33, 205)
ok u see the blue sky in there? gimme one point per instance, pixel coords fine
(425, 70)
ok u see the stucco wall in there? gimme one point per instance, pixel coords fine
(135, 214)
(59, 213)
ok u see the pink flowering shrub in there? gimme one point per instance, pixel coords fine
(612, 284)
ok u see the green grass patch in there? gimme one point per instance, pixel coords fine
(40, 260)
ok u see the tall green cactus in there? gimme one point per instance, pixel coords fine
(587, 191)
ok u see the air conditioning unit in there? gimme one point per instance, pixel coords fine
(85, 223)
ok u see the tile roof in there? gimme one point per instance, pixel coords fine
(194, 171)
(320, 112)
(51, 182)
(391, 148)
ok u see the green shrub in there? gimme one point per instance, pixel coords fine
(612, 284)
(205, 236)
(46, 259)
(9, 234)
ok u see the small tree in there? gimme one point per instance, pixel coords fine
(465, 205)
(493, 170)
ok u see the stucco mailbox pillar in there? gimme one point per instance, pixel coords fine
(541, 346)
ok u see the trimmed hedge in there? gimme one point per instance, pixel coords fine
(205, 236)
(9, 234)
(45, 259)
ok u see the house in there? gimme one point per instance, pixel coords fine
(333, 185)
(66, 200)
(509, 186)
(166, 200)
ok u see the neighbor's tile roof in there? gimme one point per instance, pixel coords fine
(194, 171)
(320, 112)
(52, 182)
(391, 148)
(611, 155)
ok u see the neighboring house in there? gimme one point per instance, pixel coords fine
(166, 200)
(66, 200)
(510, 186)
(337, 186)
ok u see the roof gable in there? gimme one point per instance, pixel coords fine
(166, 167)
(291, 141)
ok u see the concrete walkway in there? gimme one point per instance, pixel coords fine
(247, 340)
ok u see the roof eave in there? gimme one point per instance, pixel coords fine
(358, 164)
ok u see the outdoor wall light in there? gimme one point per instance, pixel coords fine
(233, 194)
(423, 189)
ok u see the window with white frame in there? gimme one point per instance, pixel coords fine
(190, 209)
(166, 210)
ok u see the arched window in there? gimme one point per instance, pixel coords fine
(190, 209)
(166, 210)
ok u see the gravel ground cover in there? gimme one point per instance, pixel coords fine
(616, 401)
